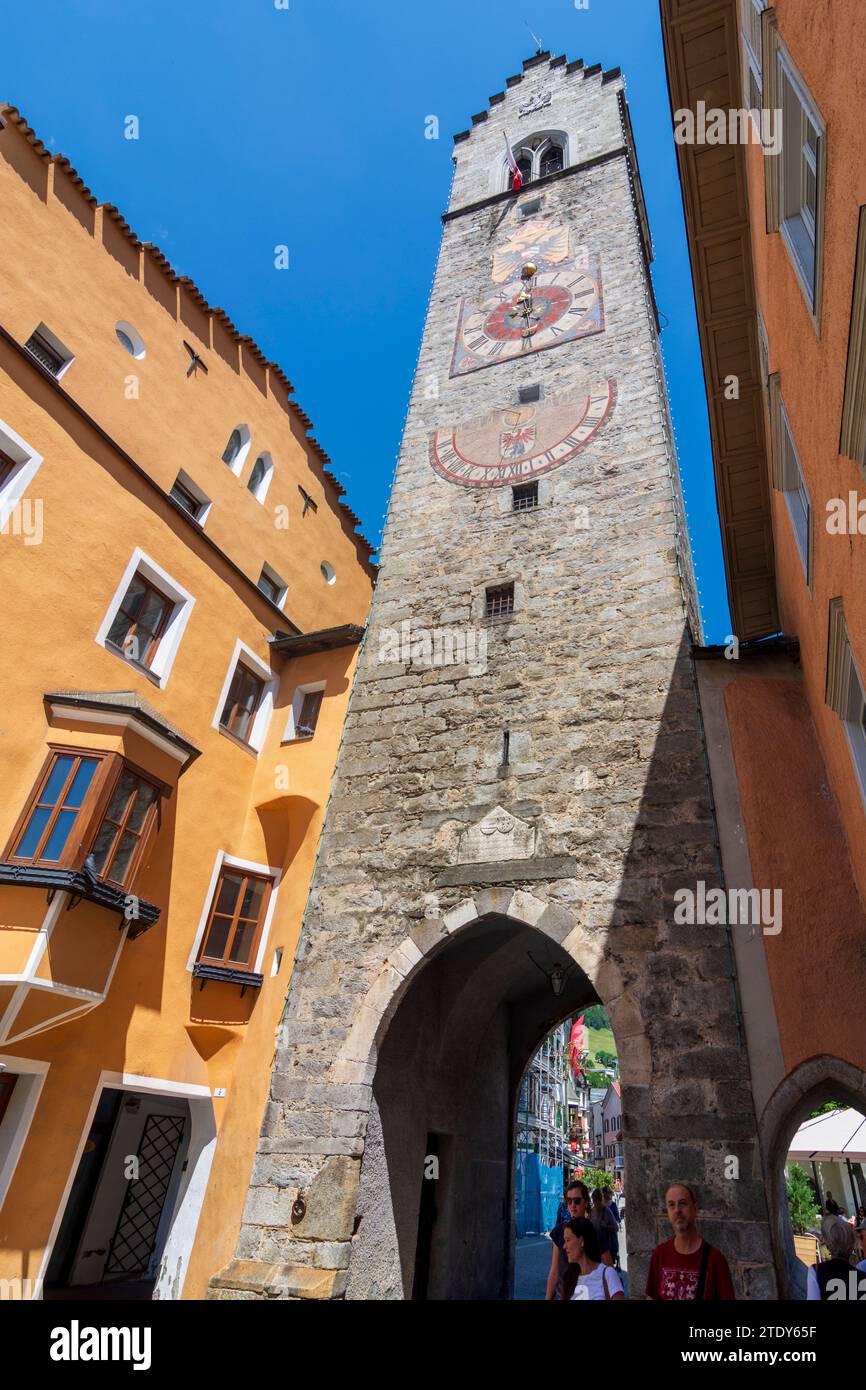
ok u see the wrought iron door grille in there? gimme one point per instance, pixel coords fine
(133, 1241)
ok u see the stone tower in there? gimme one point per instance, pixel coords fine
(522, 783)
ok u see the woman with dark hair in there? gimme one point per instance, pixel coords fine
(586, 1277)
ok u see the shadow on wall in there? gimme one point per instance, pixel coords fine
(453, 1050)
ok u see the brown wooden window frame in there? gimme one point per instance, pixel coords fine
(241, 667)
(305, 730)
(90, 815)
(170, 605)
(230, 870)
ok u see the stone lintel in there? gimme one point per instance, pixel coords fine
(508, 871)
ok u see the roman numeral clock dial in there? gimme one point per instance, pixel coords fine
(566, 304)
(513, 446)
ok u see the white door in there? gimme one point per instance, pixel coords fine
(131, 1207)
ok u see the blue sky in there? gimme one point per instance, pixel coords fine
(304, 126)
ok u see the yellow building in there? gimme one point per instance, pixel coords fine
(183, 593)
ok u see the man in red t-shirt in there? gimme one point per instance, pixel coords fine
(687, 1267)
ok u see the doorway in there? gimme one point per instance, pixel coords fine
(123, 1197)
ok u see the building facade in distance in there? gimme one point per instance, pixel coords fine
(183, 596)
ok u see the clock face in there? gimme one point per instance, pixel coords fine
(566, 303)
(513, 446)
(545, 243)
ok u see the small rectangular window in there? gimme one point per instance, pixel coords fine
(272, 586)
(500, 601)
(243, 699)
(525, 394)
(525, 497)
(49, 350)
(185, 499)
(796, 493)
(236, 919)
(309, 716)
(140, 622)
(801, 169)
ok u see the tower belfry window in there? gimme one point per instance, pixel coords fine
(551, 161)
(524, 164)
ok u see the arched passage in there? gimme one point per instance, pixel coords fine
(809, 1086)
(453, 1042)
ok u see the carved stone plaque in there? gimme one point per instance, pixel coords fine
(499, 836)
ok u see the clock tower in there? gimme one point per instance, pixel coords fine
(521, 788)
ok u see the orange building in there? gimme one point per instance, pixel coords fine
(777, 230)
(183, 594)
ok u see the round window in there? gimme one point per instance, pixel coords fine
(328, 572)
(129, 340)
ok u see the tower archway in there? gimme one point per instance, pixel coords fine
(435, 1207)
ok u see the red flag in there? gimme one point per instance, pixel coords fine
(576, 1045)
(516, 176)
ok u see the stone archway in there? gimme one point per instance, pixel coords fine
(802, 1091)
(447, 1055)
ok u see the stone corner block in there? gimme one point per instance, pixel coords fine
(304, 1281)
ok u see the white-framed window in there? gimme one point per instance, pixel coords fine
(187, 494)
(47, 348)
(260, 477)
(225, 864)
(273, 586)
(246, 700)
(788, 477)
(21, 1081)
(146, 618)
(304, 713)
(845, 690)
(130, 339)
(753, 47)
(796, 172)
(237, 448)
(796, 494)
(19, 464)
